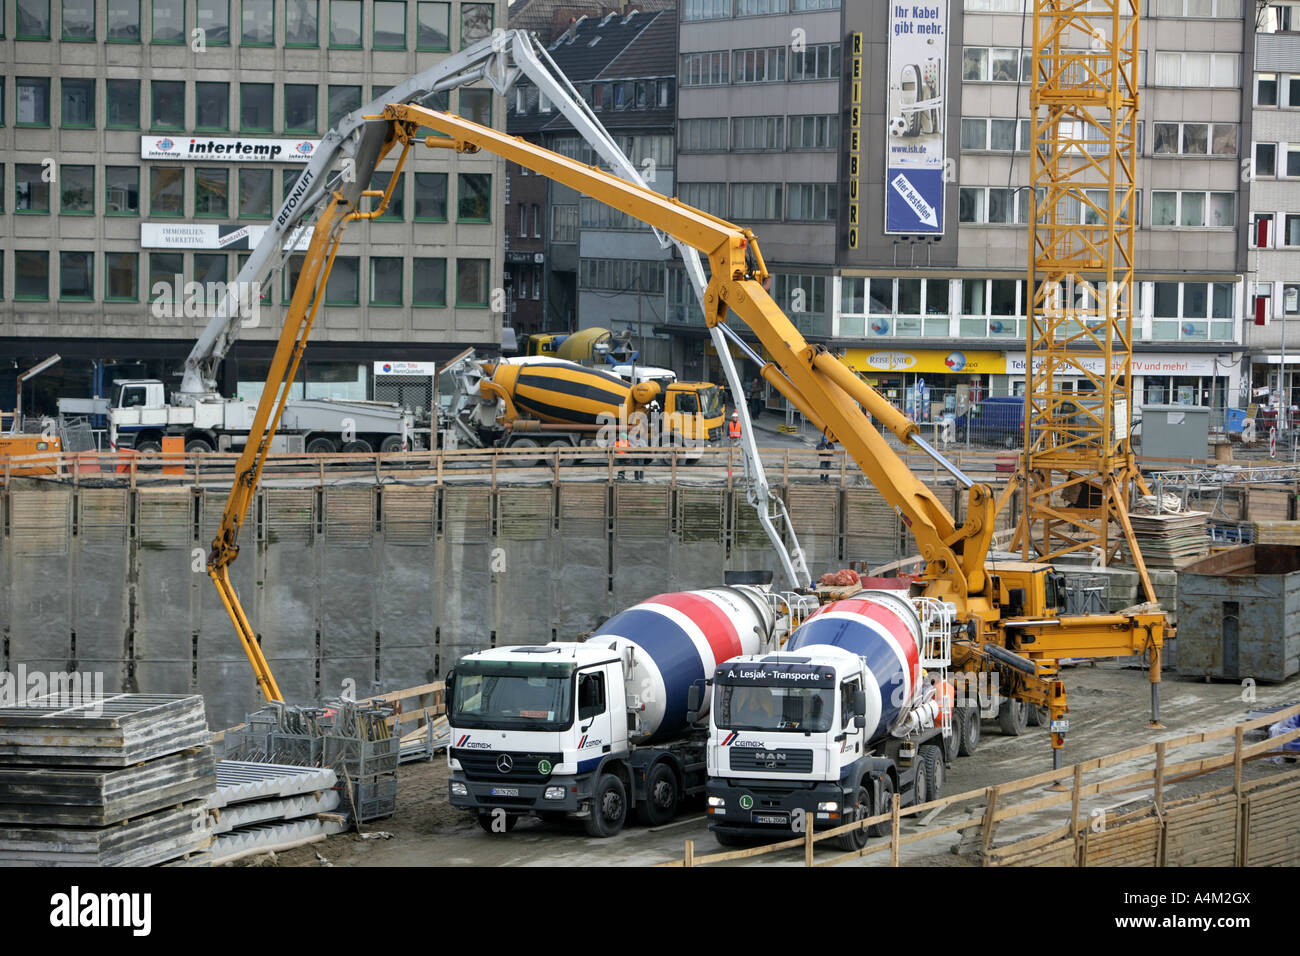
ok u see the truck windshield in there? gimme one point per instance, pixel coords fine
(710, 401)
(756, 707)
(525, 695)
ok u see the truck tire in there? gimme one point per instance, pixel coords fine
(730, 840)
(855, 839)
(661, 796)
(886, 803)
(358, 446)
(932, 761)
(530, 460)
(320, 445)
(390, 444)
(1037, 716)
(149, 447)
(485, 823)
(968, 730)
(1012, 717)
(197, 446)
(920, 783)
(608, 807)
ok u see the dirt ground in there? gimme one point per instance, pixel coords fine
(1109, 712)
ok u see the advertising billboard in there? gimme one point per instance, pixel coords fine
(916, 117)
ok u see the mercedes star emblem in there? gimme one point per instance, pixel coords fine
(504, 763)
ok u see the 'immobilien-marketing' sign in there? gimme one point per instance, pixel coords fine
(228, 150)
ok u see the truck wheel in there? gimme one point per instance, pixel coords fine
(855, 839)
(730, 839)
(391, 444)
(1037, 716)
(932, 760)
(530, 460)
(320, 445)
(886, 803)
(920, 783)
(358, 446)
(608, 807)
(660, 804)
(149, 447)
(197, 446)
(485, 821)
(1012, 717)
(968, 731)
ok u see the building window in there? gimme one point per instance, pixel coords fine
(801, 6)
(168, 21)
(396, 210)
(759, 66)
(257, 22)
(760, 8)
(212, 107)
(993, 204)
(121, 277)
(385, 280)
(1218, 70)
(211, 269)
(475, 22)
(812, 202)
(167, 191)
(342, 101)
(1291, 236)
(77, 190)
(814, 132)
(300, 107)
(995, 135)
(665, 93)
(211, 189)
(472, 283)
(564, 222)
(79, 21)
(430, 197)
(31, 275)
(754, 201)
(33, 19)
(78, 101)
(1195, 139)
(1193, 209)
(122, 104)
(344, 284)
(819, 61)
(31, 191)
(345, 24)
(537, 221)
(123, 21)
(429, 282)
(214, 20)
(1194, 8)
(596, 215)
(704, 135)
(712, 68)
(287, 178)
(474, 197)
(254, 193)
(32, 96)
(167, 104)
(164, 270)
(256, 107)
(705, 9)
(709, 197)
(476, 106)
(301, 28)
(1293, 163)
(432, 26)
(1265, 159)
(757, 132)
(389, 25)
(122, 190)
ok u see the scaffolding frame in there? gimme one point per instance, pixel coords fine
(1078, 472)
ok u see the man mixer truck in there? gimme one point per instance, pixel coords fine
(856, 707)
(592, 730)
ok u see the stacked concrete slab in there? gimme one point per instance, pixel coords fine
(259, 807)
(121, 780)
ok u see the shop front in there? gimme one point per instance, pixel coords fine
(928, 383)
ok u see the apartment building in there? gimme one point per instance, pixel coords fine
(145, 139)
(793, 116)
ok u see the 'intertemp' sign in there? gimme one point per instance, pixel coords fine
(227, 150)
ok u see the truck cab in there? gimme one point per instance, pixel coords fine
(534, 730)
(789, 747)
(1028, 589)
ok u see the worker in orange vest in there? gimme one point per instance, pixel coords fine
(733, 426)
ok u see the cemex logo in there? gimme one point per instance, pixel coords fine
(75, 909)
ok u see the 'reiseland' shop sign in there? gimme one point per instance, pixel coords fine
(227, 149)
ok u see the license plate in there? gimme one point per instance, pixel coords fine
(776, 819)
(505, 791)
(1060, 726)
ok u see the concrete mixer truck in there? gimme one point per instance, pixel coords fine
(596, 729)
(856, 707)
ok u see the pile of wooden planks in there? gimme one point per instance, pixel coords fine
(1171, 540)
(1276, 532)
(119, 780)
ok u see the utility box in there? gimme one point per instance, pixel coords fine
(1175, 431)
(1239, 614)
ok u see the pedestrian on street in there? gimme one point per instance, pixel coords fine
(826, 447)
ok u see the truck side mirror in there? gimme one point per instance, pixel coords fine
(859, 721)
(693, 698)
(449, 692)
(860, 704)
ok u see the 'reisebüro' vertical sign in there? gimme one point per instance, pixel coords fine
(916, 116)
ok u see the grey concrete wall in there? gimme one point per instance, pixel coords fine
(364, 590)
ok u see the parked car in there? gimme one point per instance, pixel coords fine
(994, 421)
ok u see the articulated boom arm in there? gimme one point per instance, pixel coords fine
(815, 380)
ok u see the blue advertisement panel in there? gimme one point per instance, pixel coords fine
(916, 116)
